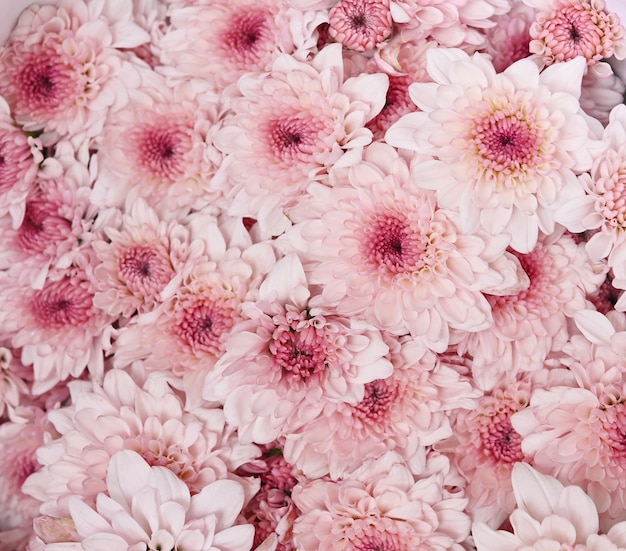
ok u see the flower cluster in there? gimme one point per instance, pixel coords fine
(307, 275)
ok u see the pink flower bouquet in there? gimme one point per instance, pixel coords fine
(301, 275)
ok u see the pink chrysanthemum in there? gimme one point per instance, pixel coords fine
(405, 411)
(293, 124)
(508, 39)
(505, 147)
(139, 260)
(602, 206)
(58, 327)
(549, 516)
(575, 432)
(360, 24)
(222, 40)
(19, 440)
(148, 507)
(384, 252)
(286, 352)
(565, 29)
(151, 421)
(272, 510)
(19, 157)
(381, 507)
(57, 218)
(59, 69)
(530, 324)
(159, 147)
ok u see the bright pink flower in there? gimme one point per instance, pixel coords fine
(383, 251)
(58, 70)
(528, 325)
(565, 29)
(284, 351)
(404, 411)
(120, 415)
(360, 24)
(381, 507)
(506, 155)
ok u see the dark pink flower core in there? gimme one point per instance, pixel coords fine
(577, 28)
(15, 159)
(45, 83)
(145, 269)
(201, 324)
(292, 138)
(375, 407)
(161, 149)
(506, 140)
(299, 348)
(249, 36)
(42, 226)
(391, 244)
(66, 302)
(380, 534)
(360, 24)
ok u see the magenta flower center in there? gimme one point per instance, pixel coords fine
(202, 324)
(500, 442)
(390, 244)
(291, 138)
(44, 82)
(299, 349)
(145, 269)
(248, 35)
(62, 303)
(42, 226)
(15, 159)
(375, 407)
(161, 150)
(360, 24)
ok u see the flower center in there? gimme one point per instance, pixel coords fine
(145, 269)
(246, 35)
(290, 138)
(614, 425)
(299, 349)
(201, 324)
(391, 245)
(42, 227)
(608, 185)
(161, 150)
(62, 303)
(380, 534)
(360, 24)
(375, 407)
(500, 442)
(44, 82)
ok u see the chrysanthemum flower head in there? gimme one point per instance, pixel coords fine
(59, 68)
(383, 250)
(565, 29)
(360, 24)
(505, 147)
